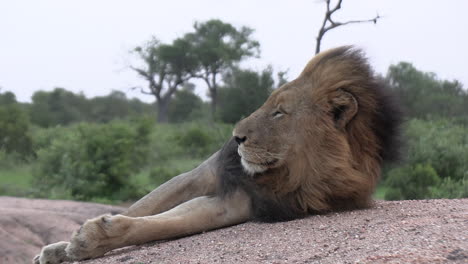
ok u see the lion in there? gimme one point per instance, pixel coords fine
(316, 145)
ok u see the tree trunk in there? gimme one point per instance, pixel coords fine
(214, 101)
(317, 46)
(163, 107)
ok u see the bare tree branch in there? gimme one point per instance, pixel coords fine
(142, 90)
(329, 24)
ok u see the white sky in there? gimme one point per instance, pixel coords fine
(84, 45)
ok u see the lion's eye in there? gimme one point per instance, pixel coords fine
(277, 113)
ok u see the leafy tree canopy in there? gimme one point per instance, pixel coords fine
(424, 95)
(244, 92)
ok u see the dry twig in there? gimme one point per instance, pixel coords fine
(329, 24)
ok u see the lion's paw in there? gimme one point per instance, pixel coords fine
(98, 236)
(52, 254)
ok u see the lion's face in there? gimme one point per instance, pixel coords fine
(324, 135)
(302, 124)
(266, 136)
(289, 123)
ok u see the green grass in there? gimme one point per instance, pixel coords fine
(16, 181)
(144, 179)
(380, 192)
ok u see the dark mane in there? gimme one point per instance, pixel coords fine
(387, 123)
(232, 177)
(388, 114)
(373, 137)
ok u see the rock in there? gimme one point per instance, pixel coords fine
(386, 234)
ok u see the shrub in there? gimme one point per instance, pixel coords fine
(195, 141)
(451, 189)
(160, 175)
(393, 194)
(9, 160)
(434, 148)
(440, 143)
(43, 137)
(184, 106)
(411, 182)
(200, 141)
(95, 161)
(14, 131)
(244, 92)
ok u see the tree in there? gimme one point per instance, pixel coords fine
(110, 107)
(165, 68)
(244, 92)
(7, 98)
(217, 46)
(59, 107)
(329, 24)
(185, 105)
(14, 127)
(434, 97)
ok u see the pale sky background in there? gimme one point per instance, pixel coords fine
(84, 45)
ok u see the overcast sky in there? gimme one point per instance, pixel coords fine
(84, 45)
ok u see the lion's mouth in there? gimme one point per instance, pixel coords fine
(266, 163)
(246, 157)
(253, 165)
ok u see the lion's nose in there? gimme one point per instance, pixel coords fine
(240, 139)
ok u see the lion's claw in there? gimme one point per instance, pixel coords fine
(52, 254)
(94, 238)
(97, 236)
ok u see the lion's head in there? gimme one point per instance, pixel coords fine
(324, 135)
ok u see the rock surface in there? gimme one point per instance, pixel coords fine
(425, 231)
(26, 225)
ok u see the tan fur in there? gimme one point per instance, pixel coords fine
(306, 157)
(326, 164)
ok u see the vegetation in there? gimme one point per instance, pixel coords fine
(424, 96)
(108, 149)
(14, 128)
(62, 107)
(94, 161)
(244, 92)
(185, 106)
(206, 54)
(108, 162)
(217, 47)
(435, 163)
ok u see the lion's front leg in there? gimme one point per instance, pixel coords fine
(200, 181)
(102, 234)
(52, 254)
(98, 236)
(195, 216)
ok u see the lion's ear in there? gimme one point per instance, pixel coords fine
(344, 108)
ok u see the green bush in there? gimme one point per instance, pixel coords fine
(198, 140)
(94, 161)
(451, 189)
(411, 182)
(160, 175)
(9, 160)
(15, 131)
(393, 194)
(442, 146)
(43, 137)
(185, 106)
(244, 92)
(440, 143)
(195, 141)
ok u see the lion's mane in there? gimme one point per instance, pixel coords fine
(349, 169)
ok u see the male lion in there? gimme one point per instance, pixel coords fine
(317, 144)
